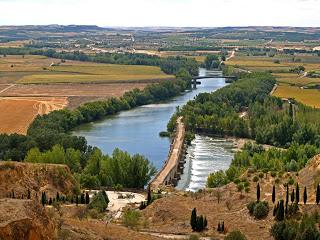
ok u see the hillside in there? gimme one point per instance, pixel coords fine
(20, 177)
(171, 214)
(24, 219)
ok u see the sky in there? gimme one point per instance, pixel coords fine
(175, 13)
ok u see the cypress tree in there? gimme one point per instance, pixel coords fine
(318, 195)
(193, 220)
(29, 194)
(280, 211)
(43, 198)
(292, 196)
(305, 196)
(72, 198)
(287, 194)
(12, 194)
(219, 227)
(273, 194)
(199, 224)
(87, 198)
(205, 223)
(82, 199)
(222, 227)
(58, 197)
(77, 200)
(149, 198)
(297, 194)
(50, 201)
(258, 192)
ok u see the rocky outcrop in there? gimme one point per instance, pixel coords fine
(24, 219)
(20, 177)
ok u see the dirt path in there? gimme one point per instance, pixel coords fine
(5, 89)
(233, 54)
(273, 89)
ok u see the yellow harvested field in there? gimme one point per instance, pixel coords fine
(17, 113)
(309, 97)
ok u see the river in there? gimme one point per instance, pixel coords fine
(137, 131)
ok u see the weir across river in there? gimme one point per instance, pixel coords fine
(173, 167)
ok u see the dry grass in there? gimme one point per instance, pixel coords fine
(309, 97)
(17, 113)
(95, 229)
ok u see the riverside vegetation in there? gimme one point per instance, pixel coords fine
(269, 120)
(48, 139)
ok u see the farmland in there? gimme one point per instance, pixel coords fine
(32, 85)
(17, 113)
(309, 97)
(39, 69)
(290, 85)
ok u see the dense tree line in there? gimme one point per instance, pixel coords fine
(169, 65)
(48, 139)
(268, 119)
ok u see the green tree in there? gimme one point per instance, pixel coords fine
(318, 194)
(305, 196)
(87, 198)
(273, 194)
(193, 219)
(297, 194)
(292, 196)
(258, 192)
(149, 197)
(280, 211)
(43, 199)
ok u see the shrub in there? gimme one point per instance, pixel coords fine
(131, 218)
(246, 184)
(290, 181)
(277, 181)
(255, 179)
(261, 175)
(237, 181)
(258, 209)
(247, 189)
(251, 206)
(261, 210)
(235, 235)
(273, 174)
(217, 179)
(240, 187)
(99, 202)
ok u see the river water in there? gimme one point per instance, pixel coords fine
(137, 131)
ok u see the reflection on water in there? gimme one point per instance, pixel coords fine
(204, 156)
(137, 130)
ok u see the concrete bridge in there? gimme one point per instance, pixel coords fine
(173, 167)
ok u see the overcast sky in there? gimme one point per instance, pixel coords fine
(208, 13)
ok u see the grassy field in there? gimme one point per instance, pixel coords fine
(309, 97)
(38, 69)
